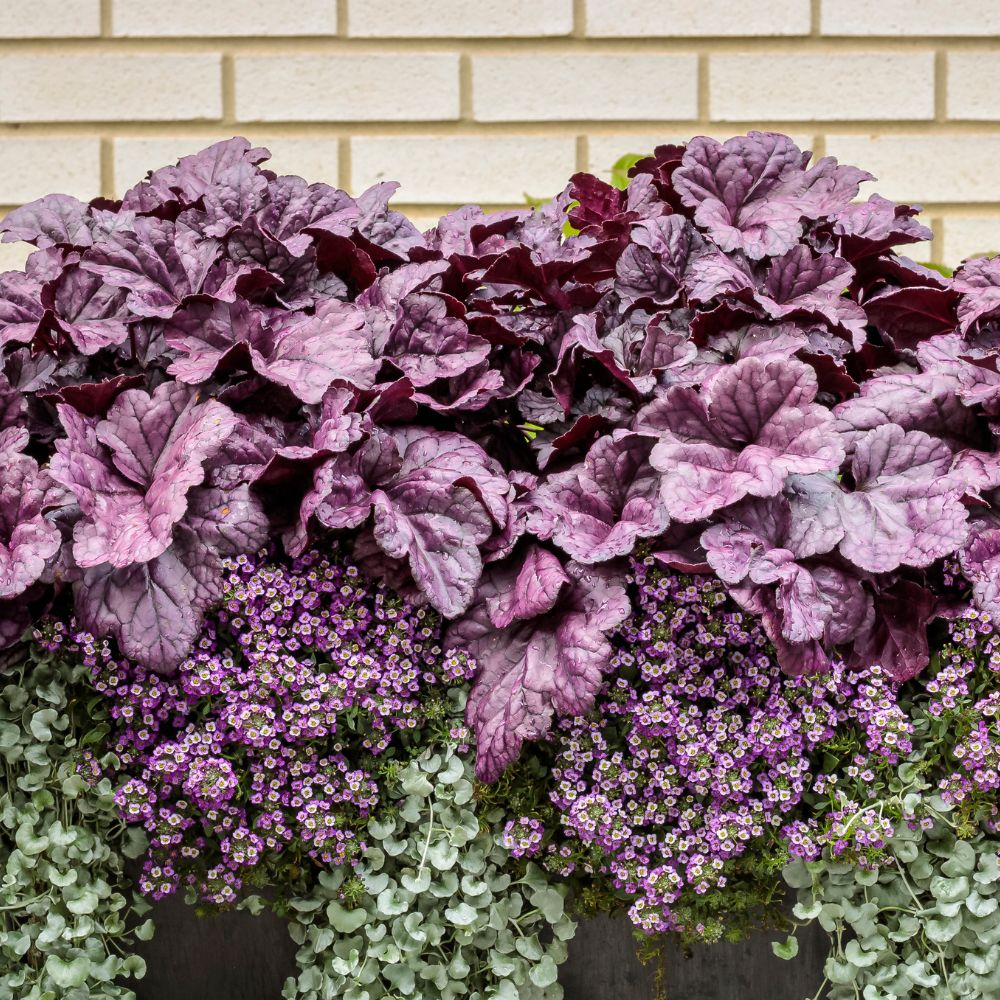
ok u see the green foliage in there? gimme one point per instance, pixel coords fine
(64, 915)
(923, 926)
(619, 172)
(432, 911)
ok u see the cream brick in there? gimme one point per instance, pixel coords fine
(922, 252)
(390, 87)
(453, 169)
(459, 19)
(693, 18)
(50, 18)
(966, 236)
(974, 86)
(854, 86)
(30, 168)
(422, 218)
(934, 168)
(313, 159)
(198, 18)
(910, 17)
(13, 255)
(74, 88)
(594, 87)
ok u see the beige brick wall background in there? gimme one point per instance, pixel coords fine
(489, 100)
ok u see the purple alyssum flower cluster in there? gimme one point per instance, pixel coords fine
(264, 741)
(700, 745)
(964, 694)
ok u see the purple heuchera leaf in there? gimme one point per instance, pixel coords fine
(296, 210)
(194, 176)
(766, 543)
(305, 352)
(808, 285)
(435, 496)
(653, 264)
(387, 229)
(27, 540)
(978, 281)
(898, 639)
(91, 313)
(752, 192)
(645, 350)
(870, 227)
(56, 219)
(579, 342)
(550, 659)
(751, 426)
(598, 511)
(417, 327)
(308, 353)
(153, 609)
(525, 590)
(980, 560)
(160, 263)
(906, 507)
(916, 401)
(131, 472)
(21, 308)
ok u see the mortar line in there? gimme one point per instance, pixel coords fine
(344, 163)
(941, 85)
(465, 83)
(228, 84)
(703, 84)
(107, 167)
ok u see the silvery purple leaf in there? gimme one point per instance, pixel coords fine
(897, 636)
(906, 507)
(754, 424)
(131, 472)
(978, 281)
(752, 192)
(27, 540)
(192, 177)
(436, 499)
(152, 609)
(597, 511)
(871, 227)
(91, 313)
(807, 285)
(309, 353)
(416, 327)
(552, 664)
(294, 209)
(655, 260)
(159, 263)
(980, 560)
(922, 401)
(55, 220)
(21, 308)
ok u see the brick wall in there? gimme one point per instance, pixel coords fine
(487, 100)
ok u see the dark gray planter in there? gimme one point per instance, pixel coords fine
(240, 957)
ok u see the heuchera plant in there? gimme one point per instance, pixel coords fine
(726, 363)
